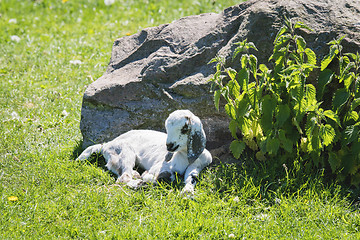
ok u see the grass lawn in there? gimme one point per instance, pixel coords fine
(49, 52)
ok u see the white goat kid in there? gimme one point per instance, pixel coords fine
(181, 150)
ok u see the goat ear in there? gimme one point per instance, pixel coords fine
(196, 140)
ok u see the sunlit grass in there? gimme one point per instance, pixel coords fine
(60, 48)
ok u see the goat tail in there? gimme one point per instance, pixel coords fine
(90, 150)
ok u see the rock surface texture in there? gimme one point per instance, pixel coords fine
(164, 68)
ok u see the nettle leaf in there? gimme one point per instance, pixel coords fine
(351, 116)
(351, 133)
(325, 77)
(244, 60)
(286, 143)
(282, 40)
(333, 116)
(217, 95)
(315, 139)
(268, 108)
(310, 95)
(282, 30)
(253, 64)
(243, 78)
(283, 113)
(355, 103)
(348, 80)
(343, 62)
(311, 56)
(340, 98)
(279, 63)
(272, 146)
(244, 126)
(251, 45)
(334, 161)
(232, 73)
(337, 41)
(233, 128)
(234, 88)
(236, 148)
(343, 66)
(263, 68)
(230, 110)
(243, 106)
(300, 44)
(302, 25)
(310, 126)
(252, 93)
(352, 55)
(327, 134)
(256, 128)
(241, 48)
(328, 58)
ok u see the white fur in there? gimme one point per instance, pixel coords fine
(181, 150)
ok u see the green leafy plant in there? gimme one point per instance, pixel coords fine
(280, 115)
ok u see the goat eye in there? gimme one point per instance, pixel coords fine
(185, 129)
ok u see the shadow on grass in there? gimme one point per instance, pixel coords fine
(268, 180)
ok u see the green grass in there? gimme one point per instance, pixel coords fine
(59, 198)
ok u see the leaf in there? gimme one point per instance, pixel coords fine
(288, 146)
(302, 25)
(215, 59)
(285, 142)
(231, 72)
(330, 114)
(344, 66)
(230, 110)
(268, 107)
(351, 116)
(241, 48)
(217, 95)
(348, 80)
(272, 146)
(328, 58)
(315, 143)
(243, 78)
(283, 113)
(355, 103)
(252, 45)
(334, 161)
(243, 106)
(236, 148)
(282, 30)
(244, 125)
(340, 98)
(234, 88)
(325, 77)
(352, 55)
(253, 64)
(263, 68)
(281, 42)
(351, 133)
(327, 133)
(311, 56)
(310, 94)
(300, 44)
(244, 60)
(233, 128)
(337, 41)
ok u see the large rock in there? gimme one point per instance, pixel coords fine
(164, 68)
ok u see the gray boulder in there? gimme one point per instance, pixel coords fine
(164, 68)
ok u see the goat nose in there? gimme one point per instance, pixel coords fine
(169, 146)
